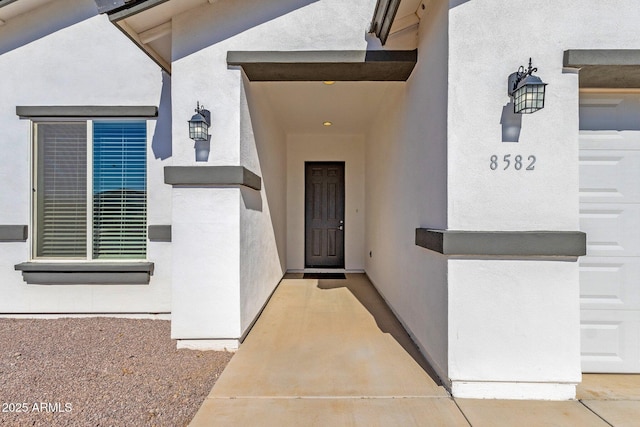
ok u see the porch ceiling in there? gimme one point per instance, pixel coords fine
(303, 107)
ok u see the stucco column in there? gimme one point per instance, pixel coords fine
(514, 327)
(206, 200)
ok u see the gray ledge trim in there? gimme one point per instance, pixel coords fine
(338, 65)
(14, 233)
(211, 175)
(159, 233)
(605, 68)
(503, 243)
(86, 111)
(81, 273)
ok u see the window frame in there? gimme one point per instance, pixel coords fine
(34, 206)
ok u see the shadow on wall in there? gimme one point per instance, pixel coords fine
(251, 198)
(227, 19)
(371, 300)
(511, 124)
(55, 16)
(161, 143)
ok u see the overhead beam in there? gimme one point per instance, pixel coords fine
(337, 65)
(605, 68)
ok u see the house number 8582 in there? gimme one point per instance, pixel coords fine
(516, 162)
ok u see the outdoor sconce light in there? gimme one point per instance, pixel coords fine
(526, 90)
(199, 124)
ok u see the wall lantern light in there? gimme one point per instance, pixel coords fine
(526, 90)
(199, 124)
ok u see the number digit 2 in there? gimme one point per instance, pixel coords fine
(532, 160)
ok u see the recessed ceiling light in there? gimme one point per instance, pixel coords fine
(327, 123)
(328, 82)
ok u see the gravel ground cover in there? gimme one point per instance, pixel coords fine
(100, 372)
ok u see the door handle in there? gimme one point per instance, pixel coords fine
(341, 225)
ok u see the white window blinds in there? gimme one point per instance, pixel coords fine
(61, 191)
(119, 189)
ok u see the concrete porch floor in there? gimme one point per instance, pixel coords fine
(331, 353)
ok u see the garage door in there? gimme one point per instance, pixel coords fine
(610, 215)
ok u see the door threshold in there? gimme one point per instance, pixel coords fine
(324, 270)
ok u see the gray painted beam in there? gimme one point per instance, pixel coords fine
(348, 65)
(211, 175)
(605, 68)
(503, 243)
(159, 233)
(78, 273)
(25, 111)
(13, 233)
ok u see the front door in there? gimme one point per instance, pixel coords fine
(324, 214)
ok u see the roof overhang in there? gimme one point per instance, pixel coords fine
(605, 68)
(148, 23)
(392, 17)
(343, 65)
(9, 9)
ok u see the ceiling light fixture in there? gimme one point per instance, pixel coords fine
(327, 123)
(328, 82)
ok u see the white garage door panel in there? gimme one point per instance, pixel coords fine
(610, 341)
(610, 283)
(609, 176)
(610, 215)
(612, 229)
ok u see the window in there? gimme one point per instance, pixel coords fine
(90, 190)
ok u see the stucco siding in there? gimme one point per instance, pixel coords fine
(263, 213)
(65, 54)
(406, 166)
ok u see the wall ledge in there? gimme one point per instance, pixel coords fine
(14, 233)
(503, 243)
(86, 273)
(211, 175)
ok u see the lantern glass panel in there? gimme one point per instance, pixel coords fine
(198, 130)
(529, 98)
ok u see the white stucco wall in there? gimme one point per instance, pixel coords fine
(329, 148)
(406, 166)
(514, 325)
(64, 54)
(262, 213)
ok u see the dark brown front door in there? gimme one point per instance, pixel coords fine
(324, 214)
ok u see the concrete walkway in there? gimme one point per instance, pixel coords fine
(331, 353)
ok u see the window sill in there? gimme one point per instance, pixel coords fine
(86, 273)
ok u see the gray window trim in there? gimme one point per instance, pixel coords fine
(337, 65)
(159, 233)
(83, 273)
(85, 111)
(14, 233)
(503, 243)
(211, 175)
